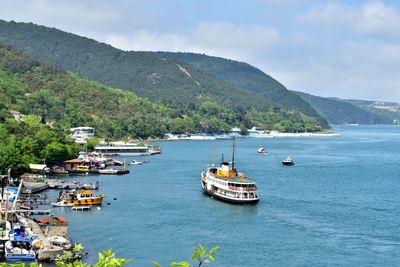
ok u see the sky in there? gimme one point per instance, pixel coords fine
(346, 49)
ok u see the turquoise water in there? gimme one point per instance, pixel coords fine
(339, 205)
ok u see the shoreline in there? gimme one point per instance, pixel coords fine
(211, 137)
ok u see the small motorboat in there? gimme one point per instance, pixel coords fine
(288, 161)
(136, 162)
(91, 186)
(58, 241)
(261, 150)
(81, 208)
(108, 171)
(25, 206)
(62, 204)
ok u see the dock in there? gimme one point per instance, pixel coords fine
(34, 212)
(48, 252)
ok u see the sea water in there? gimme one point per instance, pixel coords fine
(338, 205)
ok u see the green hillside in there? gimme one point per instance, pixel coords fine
(64, 100)
(338, 111)
(181, 86)
(249, 78)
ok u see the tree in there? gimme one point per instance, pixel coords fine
(57, 152)
(200, 254)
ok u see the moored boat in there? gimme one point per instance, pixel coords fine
(19, 247)
(80, 198)
(5, 228)
(91, 186)
(58, 171)
(61, 204)
(226, 184)
(108, 171)
(135, 162)
(81, 208)
(79, 170)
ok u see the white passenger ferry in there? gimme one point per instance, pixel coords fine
(127, 149)
(225, 183)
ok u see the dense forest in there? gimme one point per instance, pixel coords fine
(183, 88)
(63, 100)
(249, 78)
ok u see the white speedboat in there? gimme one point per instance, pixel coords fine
(261, 150)
(62, 204)
(225, 183)
(58, 241)
(135, 162)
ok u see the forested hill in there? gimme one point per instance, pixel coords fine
(249, 78)
(64, 100)
(338, 111)
(181, 85)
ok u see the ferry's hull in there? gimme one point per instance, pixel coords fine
(228, 199)
(128, 154)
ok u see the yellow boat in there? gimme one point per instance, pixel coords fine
(83, 197)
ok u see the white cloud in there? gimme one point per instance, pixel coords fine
(373, 17)
(236, 41)
(377, 18)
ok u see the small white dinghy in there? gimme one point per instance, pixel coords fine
(61, 204)
(58, 240)
(136, 162)
(82, 208)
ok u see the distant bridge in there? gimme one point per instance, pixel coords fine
(390, 102)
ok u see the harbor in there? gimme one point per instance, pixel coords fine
(165, 195)
(30, 229)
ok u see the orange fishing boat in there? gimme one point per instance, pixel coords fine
(82, 197)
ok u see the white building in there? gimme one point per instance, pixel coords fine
(82, 132)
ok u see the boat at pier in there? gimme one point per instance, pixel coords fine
(5, 228)
(83, 169)
(136, 162)
(79, 198)
(19, 247)
(227, 184)
(81, 208)
(127, 149)
(61, 204)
